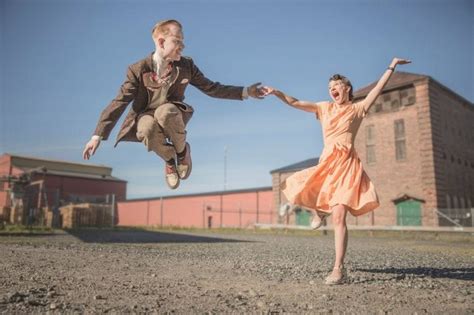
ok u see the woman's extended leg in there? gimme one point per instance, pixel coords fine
(339, 213)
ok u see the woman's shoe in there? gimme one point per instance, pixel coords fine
(287, 209)
(318, 219)
(336, 279)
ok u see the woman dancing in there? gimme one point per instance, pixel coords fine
(338, 183)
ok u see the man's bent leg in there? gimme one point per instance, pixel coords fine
(170, 118)
(152, 136)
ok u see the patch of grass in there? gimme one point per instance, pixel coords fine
(24, 229)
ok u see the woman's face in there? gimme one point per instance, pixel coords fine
(339, 91)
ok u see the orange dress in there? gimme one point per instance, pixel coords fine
(339, 177)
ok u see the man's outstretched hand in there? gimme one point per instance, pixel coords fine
(90, 148)
(256, 91)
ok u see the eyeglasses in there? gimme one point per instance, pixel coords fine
(177, 41)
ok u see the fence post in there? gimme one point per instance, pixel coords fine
(240, 215)
(472, 217)
(203, 215)
(258, 208)
(161, 211)
(113, 209)
(56, 214)
(221, 210)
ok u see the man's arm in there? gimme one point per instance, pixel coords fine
(111, 114)
(215, 89)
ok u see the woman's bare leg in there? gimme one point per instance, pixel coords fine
(339, 213)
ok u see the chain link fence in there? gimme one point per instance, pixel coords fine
(459, 217)
(37, 206)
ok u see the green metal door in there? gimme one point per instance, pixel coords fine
(409, 213)
(303, 217)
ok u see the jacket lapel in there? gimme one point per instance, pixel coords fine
(175, 79)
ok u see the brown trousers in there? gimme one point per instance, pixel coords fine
(165, 132)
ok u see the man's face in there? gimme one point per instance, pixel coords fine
(339, 91)
(172, 45)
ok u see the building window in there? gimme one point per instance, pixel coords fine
(407, 96)
(378, 107)
(393, 100)
(400, 143)
(370, 144)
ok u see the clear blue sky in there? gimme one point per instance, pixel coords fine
(63, 61)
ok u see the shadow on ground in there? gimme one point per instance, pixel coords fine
(449, 273)
(143, 236)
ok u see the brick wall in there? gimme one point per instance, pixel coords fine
(453, 143)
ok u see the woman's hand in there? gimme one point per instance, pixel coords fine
(267, 90)
(399, 61)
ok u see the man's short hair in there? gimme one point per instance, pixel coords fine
(337, 77)
(162, 28)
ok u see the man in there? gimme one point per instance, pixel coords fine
(158, 116)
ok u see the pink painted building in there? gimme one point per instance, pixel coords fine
(234, 208)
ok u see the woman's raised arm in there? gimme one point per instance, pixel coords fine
(375, 92)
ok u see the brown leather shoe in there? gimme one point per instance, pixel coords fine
(185, 164)
(171, 175)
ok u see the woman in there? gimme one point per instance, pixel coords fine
(338, 184)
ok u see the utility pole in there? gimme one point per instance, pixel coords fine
(225, 168)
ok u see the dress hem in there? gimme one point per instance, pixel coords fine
(366, 208)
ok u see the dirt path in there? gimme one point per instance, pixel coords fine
(158, 272)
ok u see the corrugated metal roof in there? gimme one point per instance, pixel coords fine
(26, 162)
(297, 166)
(63, 168)
(79, 175)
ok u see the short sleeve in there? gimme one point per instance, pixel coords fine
(319, 111)
(360, 109)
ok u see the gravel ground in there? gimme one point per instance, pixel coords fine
(92, 271)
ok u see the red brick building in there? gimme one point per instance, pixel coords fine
(417, 146)
(54, 182)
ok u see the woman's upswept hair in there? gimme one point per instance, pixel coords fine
(337, 77)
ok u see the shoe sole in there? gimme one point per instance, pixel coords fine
(173, 187)
(190, 167)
